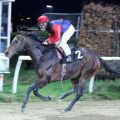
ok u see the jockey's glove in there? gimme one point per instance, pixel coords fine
(45, 42)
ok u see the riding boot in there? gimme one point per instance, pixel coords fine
(69, 58)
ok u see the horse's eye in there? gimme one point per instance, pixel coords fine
(16, 41)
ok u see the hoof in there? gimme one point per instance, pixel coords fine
(59, 101)
(61, 97)
(47, 98)
(67, 109)
(63, 111)
(22, 110)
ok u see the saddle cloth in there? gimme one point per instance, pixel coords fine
(75, 53)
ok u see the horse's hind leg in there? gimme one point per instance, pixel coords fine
(70, 92)
(79, 92)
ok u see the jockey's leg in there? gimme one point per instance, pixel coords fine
(67, 34)
(64, 39)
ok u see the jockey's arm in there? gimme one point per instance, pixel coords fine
(55, 37)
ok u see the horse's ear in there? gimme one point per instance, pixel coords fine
(23, 33)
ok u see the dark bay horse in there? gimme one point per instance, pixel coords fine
(49, 67)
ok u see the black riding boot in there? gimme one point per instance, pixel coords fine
(69, 58)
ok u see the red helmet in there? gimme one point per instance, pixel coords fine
(42, 19)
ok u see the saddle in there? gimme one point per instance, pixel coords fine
(75, 53)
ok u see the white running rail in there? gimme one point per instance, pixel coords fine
(21, 58)
(4, 68)
(17, 70)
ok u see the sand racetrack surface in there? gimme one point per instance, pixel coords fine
(83, 110)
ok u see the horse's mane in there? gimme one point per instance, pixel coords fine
(35, 37)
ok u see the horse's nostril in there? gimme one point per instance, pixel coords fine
(6, 53)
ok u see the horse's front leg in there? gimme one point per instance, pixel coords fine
(44, 98)
(25, 100)
(34, 87)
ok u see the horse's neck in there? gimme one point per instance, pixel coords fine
(43, 56)
(39, 52)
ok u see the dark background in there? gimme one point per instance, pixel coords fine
(34, 8)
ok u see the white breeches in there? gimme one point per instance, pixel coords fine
(63, 41)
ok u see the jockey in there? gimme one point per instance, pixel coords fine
(59, 31)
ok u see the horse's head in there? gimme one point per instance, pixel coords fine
(16, 45)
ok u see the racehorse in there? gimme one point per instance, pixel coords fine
(49, 67)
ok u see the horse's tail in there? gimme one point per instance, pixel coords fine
(108, 68)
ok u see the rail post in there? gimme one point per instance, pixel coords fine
(1, 82)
